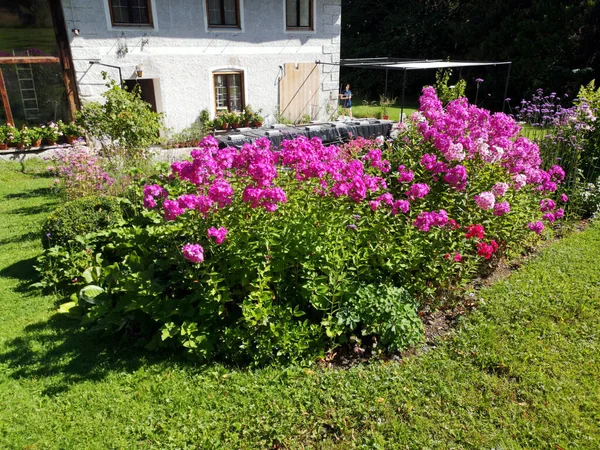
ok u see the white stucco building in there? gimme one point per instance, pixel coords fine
(188, 55)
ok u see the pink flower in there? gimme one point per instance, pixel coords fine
(550, 217)
(425, 220)
(405, 176)
(400, 205)
(457, 177)
(559, 213)
(219, 235)
(564, 198)
(418, 190)
(547, 205)
(475, 231)
(457, 257)
(536, 227)
(501, 208)
(172, 209)
(193, 253)
(486, 250)
(485, 200)
(374, 204)
(499, 189)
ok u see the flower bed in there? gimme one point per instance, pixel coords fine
(257, 255)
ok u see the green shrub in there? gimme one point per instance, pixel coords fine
(124, 125)
(79, 217)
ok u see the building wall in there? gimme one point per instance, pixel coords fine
(181, 53)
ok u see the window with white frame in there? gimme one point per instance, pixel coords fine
(229, 91)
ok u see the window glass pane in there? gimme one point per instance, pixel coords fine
(139, 10)
(290, 13)
(36, 93)
(230, 12)
(221, 92)
(235, 92)
(25, 30)
(304, 13)
(214, 12)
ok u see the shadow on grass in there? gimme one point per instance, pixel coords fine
(45, 208)
(32, 193)
(59, 353)
(21, 238)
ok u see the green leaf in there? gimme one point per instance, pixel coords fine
(90, 292)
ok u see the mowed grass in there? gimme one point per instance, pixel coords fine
(359, 111)
(521, 372)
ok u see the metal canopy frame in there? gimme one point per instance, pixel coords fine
(406, 64)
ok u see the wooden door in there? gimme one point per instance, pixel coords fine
(299, 91)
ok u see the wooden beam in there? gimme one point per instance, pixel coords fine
(64, 53)
(4, 95)
(29, 59)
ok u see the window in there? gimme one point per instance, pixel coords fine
(223, 13)
(229, 91)
(130, 12)
(299, 14)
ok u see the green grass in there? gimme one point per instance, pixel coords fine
(521, 372)
(371, 111)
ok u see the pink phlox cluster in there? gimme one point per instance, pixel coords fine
(557, 174)
(172, 209)
(374, 157)
(430, 163)
(500, 189)
(218, 234)
(405, 175)
(425, 220)
(501, 208)
(193, 253)
(80, 169)
(536, 227)
(457, 177)
(268, 198)
(547, 204)
(564, 198)
(417, 190)
(465, 131)
(400, 206)
(151, 193)
(485, 200)
(221, 193)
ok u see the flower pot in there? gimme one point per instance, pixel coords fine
(225, 126)
(3, 146)
(386, 117)
(71, 139)
(20, 146)
(257, 124)
(50, 143)
(37, 143)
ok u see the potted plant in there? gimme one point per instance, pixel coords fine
(384, 104)
(23, 138)
(257, 119)
(221, 122)
(234, 119)
(50, 133)
(4, 132)
(14, 136)
(34, 136)
(71, 131)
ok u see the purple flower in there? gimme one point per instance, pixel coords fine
(547, 205)
(172, 209)
(478, 80)
(193, 253)
(501, 208)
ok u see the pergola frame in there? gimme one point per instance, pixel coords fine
(407, 64)
(63, 58)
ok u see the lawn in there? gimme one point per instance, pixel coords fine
(359, 111)
(521, 372)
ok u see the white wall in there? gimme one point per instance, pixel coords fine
(182, 53)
